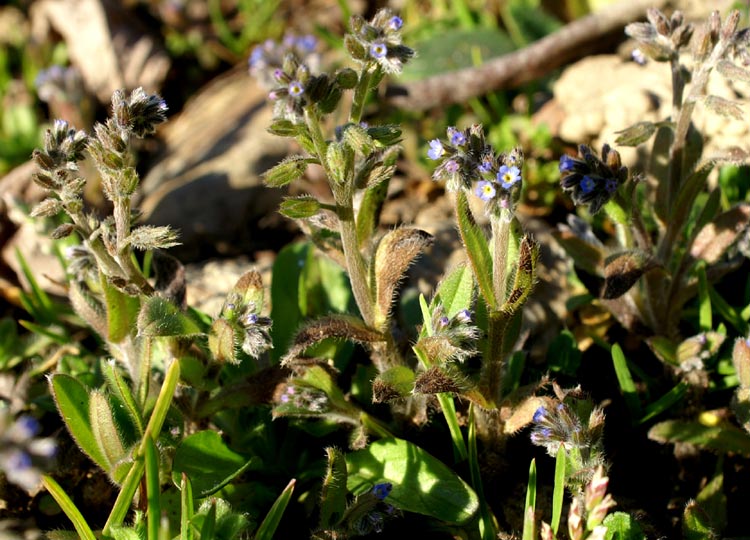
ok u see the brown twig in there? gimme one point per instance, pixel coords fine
(523, 65)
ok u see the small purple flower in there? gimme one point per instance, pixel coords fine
(508, 176)
(378, 50)
(296, 89)
(436, 149)
(251, 318)
(443, 321)
(456, 137)
(382, 490)
(567, 163)
(395, 23)
(307, 43)
(486, 165)
(451, 166)
(539, 414)
(485, 190)
(278, 74)
(587, 184)
(638, 57)
(463, 316)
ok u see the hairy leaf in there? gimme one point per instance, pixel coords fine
(224, 341)
(724, 438)
(636, 134)
(336, 327)
(715, 238)
(623, 270)
(394, 254)
(159, 317)
(333, 500)
(394, 383)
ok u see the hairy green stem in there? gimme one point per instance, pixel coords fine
(360, 95)
(500, 244)
(343, 194)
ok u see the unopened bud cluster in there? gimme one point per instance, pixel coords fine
(306, 399)
(467, 161)
(378, 43)
(453, 338)
(661, 38)
(590, 180)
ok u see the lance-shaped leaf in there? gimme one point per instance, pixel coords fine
(525, 275)
(724, 107)
(394, 383)
(160, 317)
(696, 523)
(88, 307)
(715, 238)
(455, 292)
(421, 483)
(108, 436)
(585, 254)
(224, 341)
(333, 499)
(72, 400)
(267, 529)
(723, 438)
(732, 71)
(635, 134)
(477, 249)
(336, 327)
(622, 270)
(250, 288)
(394, 254)
(122, 311)
(287, 171)
(440, 379)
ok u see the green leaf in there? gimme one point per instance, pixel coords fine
(395, 382)
(629, 392)
(70, 509)
(120, 387)
(208, 462)
(333, 499)
(477, 249)
(223, 341)
(106, 433)
(455, 292)
(620, 526)
(696, 524)
(160, 317)
(421, 483)
(72, 399)
(563, 354)
(723, 438)
(273, 518)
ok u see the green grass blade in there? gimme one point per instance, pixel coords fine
(187, 507)
(41, 300)
(70, 509)
(626, 381)
(273, 518)
(665, 402)
(449, 411)
(559, 490)
(737, 319)
(153, 513)
(530, 507)
(704, 301)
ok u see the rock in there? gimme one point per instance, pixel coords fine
(207, 181)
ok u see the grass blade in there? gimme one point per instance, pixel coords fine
(153, 502)
(530, 507)
(273, 518)
(626, 381)
(70, 509)
(559, 490)
(187, 507)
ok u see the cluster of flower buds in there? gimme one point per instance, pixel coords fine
(378, 42)
(453, 338)
(661, 38)
(561, 425)
(23, 456)
(467, 159)
(591, 180)
(269, 56)
(587, 514)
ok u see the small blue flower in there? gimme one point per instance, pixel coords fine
(539, 414)
(486, 165)
(378, 50)
(567, 163)
(456, 137)
(587, 184)
(296, 89)
(463, 316)
(611, 185)
(395, 23)
(307, 43)
(508, 176)
(436, 149)
(443, 321)
(382, 490)
(485, 190)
